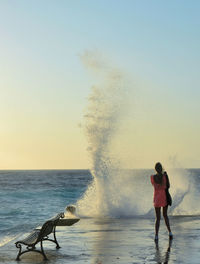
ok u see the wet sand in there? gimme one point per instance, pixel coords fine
(105, 241)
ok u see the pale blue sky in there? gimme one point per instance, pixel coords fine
(44, 86)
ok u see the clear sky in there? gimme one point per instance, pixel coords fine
(44, 86)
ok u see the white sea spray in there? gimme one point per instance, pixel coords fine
(116, 192)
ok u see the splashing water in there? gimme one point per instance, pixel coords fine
(116, 192)
(185, 193)
(104, 113)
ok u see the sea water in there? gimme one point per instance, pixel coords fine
(28, 198)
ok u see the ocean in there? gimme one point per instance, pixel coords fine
(29, 197)
(121, 232)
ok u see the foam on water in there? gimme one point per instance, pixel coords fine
(115, 192)
(6, 240)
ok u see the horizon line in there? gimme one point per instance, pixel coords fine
(192, 168)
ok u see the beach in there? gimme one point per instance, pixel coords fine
(126, 241)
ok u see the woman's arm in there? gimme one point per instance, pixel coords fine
(167, 180)
(152, 179)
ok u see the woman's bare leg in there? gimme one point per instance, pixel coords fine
(166, 218)
(157, 223)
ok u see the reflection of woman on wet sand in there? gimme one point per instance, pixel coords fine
(164, 259)
(159, 181)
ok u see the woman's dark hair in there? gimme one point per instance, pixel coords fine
(159, 176)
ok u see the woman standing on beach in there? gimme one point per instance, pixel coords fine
(160, 181)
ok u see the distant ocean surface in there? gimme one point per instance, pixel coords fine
(30, 197)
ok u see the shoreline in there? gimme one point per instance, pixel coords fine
(98, 241)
